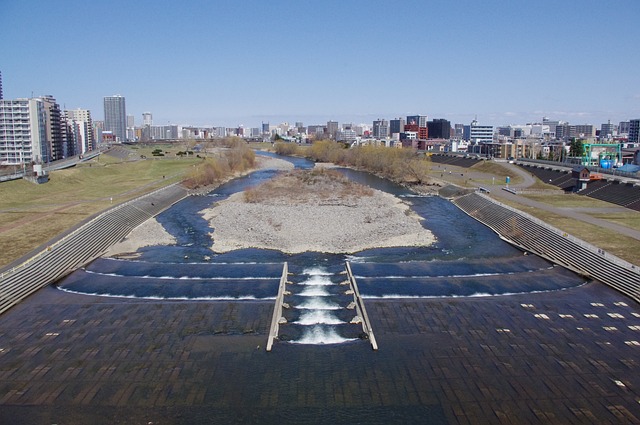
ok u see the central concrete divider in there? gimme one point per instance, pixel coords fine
(361, 311)
(277, 318)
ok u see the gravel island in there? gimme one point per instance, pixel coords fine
(316, 210)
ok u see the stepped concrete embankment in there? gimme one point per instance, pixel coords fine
(535, 236)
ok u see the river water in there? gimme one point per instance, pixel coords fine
(322, 369)
(468, 260)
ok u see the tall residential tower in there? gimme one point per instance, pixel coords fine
(115, 117)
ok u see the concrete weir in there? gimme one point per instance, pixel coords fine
(361, 311)
(277, 318)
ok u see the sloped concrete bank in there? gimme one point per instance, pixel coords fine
(536, 236)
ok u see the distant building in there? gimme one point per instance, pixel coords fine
(1, 96)
(380, 129)
(419, 120)
(332, 129)
(147, 119)
(562, 131)
(396, 125)
(115, 117)
(607, 130)
(98, 128)
(346, 135)
(634, 131)
(476, 133)
(53, 129)
(623, 127)
(439, 129)
(220, 132)
(459, 131)
(164, 132)
(317, 131)
(80, 135)
(582, 131)
(421, 132)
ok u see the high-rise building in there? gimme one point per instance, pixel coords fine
(439, 129)
(131, 127)
(81, 136)
(147, 119)
(396, 125)
(115, 117)
(381, 129)
(634, 131)
(53, 129)
(23, 139)
(607, 130)
(98, 128)
(419, 120)
(623, 127)
(332, 129)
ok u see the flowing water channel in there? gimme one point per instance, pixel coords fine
(468, 260)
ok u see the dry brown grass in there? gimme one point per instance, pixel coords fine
(318, 185)
(611, 241)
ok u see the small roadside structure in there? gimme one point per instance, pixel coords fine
(582, 175)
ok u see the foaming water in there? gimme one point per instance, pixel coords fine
(317, 280)
(179, 277)
(320, 335)
(314, 291)
(170, 298)
(473, 295)
(316, 271)
(317, 317)
(318, 303)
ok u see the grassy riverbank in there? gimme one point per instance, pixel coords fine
(31, 215)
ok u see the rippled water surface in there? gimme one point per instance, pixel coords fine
(468, 260)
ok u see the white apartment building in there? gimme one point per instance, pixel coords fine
(23, 132)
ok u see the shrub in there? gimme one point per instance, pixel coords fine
(214, 170)
(283, 148)
(400, 165)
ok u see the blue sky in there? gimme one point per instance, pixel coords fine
(226, 63)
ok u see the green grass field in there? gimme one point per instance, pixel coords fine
(31, 214)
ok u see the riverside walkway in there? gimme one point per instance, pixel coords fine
(82, 245)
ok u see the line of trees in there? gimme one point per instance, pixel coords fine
(399, 165)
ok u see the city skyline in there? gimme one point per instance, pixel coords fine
(243, 63)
